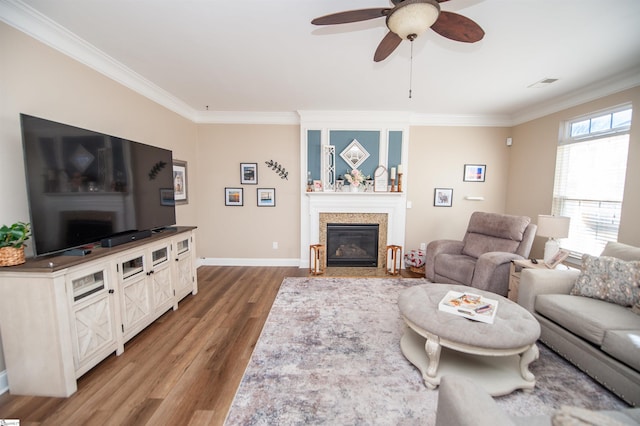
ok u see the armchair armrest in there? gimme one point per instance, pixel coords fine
(492, 271)
(435, 248)
(544, 281)
(462, 402)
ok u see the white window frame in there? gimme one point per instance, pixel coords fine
(561, 205)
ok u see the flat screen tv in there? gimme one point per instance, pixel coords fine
(85, 186)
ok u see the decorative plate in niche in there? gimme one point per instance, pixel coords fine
(354, 154)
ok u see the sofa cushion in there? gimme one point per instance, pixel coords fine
(586, 317)
(578, 416)
(621, 251)
(624, 345)
(457, 267)
(477, 244)
(609, 278)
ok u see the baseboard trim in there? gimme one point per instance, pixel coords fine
(4, 382)
(209, 261)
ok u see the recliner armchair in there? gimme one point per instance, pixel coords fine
(482, 259)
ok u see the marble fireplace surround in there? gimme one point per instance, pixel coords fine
(357, 218)
(387, 209)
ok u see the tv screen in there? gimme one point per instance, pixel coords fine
(84, 186)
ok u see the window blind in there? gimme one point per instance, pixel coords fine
(589, 182)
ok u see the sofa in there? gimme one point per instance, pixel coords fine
(461, 402)
(483, 257)
(591, 316)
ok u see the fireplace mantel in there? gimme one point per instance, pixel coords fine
(393, 204)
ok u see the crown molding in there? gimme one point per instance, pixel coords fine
(350, 119)
(460, 120)
(33, 23)
(246, 117)
(609, 86)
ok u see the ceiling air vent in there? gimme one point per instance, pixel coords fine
(543, 83)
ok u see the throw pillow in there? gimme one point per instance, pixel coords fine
(610, 279)
(575, 416)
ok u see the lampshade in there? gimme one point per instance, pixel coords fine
(413, 17)
(553, 226)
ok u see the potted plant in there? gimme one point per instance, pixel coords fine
(12, 240)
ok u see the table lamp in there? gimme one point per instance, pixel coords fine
(552, 227)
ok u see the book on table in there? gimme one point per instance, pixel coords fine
(469, 305)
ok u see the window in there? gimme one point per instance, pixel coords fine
(591, 166)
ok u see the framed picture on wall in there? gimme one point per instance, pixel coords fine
(474, 172)
(249, 173)
(443, 197)
(266, 197)
(180, 181)
(233, 197)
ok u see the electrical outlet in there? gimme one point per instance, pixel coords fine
(275, 245)
(423, 246)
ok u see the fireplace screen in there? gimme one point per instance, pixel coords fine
(352, 244)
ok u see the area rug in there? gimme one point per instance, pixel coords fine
(329, 353)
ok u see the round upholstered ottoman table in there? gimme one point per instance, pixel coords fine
(496, 356)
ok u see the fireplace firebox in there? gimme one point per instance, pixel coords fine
(352, 244)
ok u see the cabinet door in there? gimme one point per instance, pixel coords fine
(185, 270)
(160, 277)
(92, 316)
(135, 298)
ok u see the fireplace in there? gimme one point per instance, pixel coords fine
(352, 244)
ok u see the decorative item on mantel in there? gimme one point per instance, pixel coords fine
(12, 240)
(355, 178)
(368, 185)
(393, 179)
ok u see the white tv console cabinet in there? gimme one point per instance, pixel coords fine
(60, 316)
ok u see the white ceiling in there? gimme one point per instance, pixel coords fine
(264, 56)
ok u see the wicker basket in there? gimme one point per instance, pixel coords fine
(10, 256)
(417, 270)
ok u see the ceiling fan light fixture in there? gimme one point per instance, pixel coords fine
(411, 18)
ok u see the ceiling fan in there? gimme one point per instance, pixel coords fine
(407, 19)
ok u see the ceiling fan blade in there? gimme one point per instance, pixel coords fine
(397, 2)
(457, 27)
(387, 46)
(351, 16)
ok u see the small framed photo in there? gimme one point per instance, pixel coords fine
(557, 258)
(474, 172)
(266, 197)
(443, 197)
(249, 173)
(317, 186)
(233, 197)
(180, 181)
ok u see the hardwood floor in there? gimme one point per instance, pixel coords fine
(183, 369)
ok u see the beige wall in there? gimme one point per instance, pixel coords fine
(437, 156)
(532, 166)
(248, 232)
(40, 81)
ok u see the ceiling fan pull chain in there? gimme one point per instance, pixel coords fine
(411, 70)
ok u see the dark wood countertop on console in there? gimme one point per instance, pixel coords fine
(55, 263)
